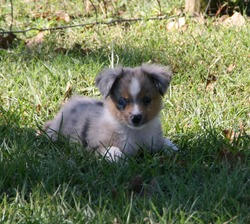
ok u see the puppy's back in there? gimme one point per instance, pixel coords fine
(74, 118)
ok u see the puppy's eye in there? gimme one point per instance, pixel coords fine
(122, 102)
(146, 100)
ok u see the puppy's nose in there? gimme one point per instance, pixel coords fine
(136, 118)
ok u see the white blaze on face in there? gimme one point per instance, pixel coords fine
(135, 89)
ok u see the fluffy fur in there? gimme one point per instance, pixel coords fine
(127, 118)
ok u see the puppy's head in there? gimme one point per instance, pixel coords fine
(134, 95)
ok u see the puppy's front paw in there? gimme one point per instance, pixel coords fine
(169, 145)
(113, 154)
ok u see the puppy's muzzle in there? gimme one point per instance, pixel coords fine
(136, 119)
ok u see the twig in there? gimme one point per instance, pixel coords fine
(96, 13)
(87, 24)
(12, 14)
(159, 4)
(208, 5)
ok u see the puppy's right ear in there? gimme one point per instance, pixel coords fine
(106, 79)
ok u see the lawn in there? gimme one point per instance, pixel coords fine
(206, 113)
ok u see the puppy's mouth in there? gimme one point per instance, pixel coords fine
(138, 127)
(136, 121)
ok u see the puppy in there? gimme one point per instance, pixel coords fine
(126, 120)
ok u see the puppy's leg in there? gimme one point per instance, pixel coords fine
(168, 145)
(112, 154)
(52, 134)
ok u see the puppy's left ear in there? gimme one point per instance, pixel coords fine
(161, 75)
(106, 79)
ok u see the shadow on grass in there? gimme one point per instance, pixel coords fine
(27, 156)
(125, 55)
(32, 165)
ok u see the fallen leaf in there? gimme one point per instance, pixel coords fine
(3, 42)
(35, 41)
(242, 127)
(10, 38)
(231, 67)
(59, 16)
(68, 92)
(43, 15)
(210, 85)
(6, 41)
(235, 20)
(231, 135)
(173, 25)
(62, 16)
(38, 107)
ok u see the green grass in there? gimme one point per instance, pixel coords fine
(208, 181)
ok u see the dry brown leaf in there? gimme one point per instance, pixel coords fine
(38, 107)
(62, 16)
(35, 41)
(231, 135)
(231, 67)
(3, 42)
(211, 82)
(10, 38)
(59, 16)
(6, 41)
(235, 20)
(242, 127)
(210, 86)
(68, 92)
(173, 25)
(43, 15)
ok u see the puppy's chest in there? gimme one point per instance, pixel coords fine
(141, 139)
